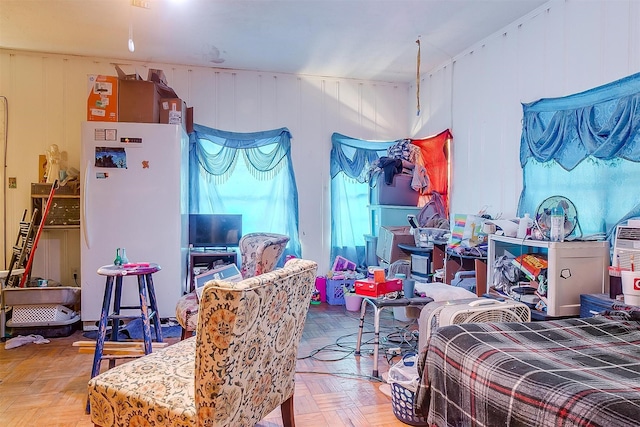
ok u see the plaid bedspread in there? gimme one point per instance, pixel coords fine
(572, 372)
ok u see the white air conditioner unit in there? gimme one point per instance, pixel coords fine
(626, 247)
(475, 310)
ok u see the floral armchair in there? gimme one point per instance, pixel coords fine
(260, 252)
(237, 369)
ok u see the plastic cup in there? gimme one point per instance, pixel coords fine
(631, 287)
(408, 287)
(378, 275)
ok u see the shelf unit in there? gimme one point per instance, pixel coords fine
(65, 209)
(574, 268)
(205, 258)
(58, 254)
(391, 215)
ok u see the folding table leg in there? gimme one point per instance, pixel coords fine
(363, 309)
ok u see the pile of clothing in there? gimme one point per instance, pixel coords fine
(402, 157)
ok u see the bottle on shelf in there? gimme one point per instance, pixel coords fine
(118, 260)
(524, 226)
(123, 256)
(557, 224)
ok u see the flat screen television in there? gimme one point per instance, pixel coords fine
(215, 230)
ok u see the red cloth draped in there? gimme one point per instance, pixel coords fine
(434, 155)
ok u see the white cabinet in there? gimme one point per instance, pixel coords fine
(574, 268)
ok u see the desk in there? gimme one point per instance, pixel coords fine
(421, 271)
(455, 262)
(378, 305)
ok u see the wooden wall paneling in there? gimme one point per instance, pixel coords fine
(267, 102)
(226, 101)
(633, 37)
(203, 94)
(247, 94)
(311, 141)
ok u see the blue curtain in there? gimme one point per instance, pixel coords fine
(351, 160)
(249, 174)
(585, 147)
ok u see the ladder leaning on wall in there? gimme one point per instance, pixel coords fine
(17, 266)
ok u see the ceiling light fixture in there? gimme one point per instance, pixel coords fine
(144, 4)
(418, 77)
(132, 46)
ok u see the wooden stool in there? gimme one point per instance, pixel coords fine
(148, 309)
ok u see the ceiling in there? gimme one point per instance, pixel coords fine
(361, 39)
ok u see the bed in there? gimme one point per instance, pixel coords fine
(570, 372)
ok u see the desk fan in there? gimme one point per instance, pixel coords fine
(469, 310)
(543, 216)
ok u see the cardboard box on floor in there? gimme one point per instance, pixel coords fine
(388, 239)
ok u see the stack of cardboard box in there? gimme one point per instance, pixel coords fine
(128, 98)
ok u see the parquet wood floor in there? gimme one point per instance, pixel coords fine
(45, 384)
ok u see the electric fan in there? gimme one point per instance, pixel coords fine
(470, 310)
(543, 216)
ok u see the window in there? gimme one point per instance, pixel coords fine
(585, 147)
(351, 160)
(249, 174)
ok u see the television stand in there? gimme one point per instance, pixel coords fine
(205, 257)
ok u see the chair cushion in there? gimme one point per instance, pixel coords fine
(158, 387)
(187, 311)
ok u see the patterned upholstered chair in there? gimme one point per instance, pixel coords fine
(260, 252)
(238, 368)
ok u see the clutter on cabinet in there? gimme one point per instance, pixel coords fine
(64, 212)
(467, 235)
(556, 218)
(390, 236)
(398, 178)
(547, 276)
(340, 279)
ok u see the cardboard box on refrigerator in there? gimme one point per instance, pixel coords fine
(102, 98)
(189, 120)
(139, 101)
(388, 240)
(173, 111)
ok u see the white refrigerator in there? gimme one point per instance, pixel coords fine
(134, 195)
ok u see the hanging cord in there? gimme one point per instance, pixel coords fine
(5, 142)
(418, 77)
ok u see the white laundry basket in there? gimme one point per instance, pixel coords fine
(24, 315)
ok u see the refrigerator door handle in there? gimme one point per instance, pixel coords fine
(85, 203)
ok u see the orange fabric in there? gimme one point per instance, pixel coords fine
(434, 155)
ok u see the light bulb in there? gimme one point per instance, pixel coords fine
(132, 46)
